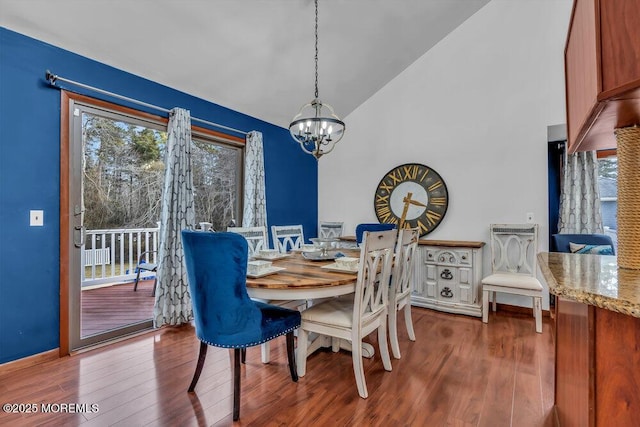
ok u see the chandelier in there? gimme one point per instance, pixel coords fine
(316, 127)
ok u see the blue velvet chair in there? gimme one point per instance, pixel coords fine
(224, 314)
(361, 228)
(560, 242)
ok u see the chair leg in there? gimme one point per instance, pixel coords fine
(537, 310)
(155, 285)
(495, 301)
(265, 352)
(301, 352)
(393, 331)
(196, 374)
(358, 368)
(236, 384)
(135, 284)
(291, 356)
(382, 345)
(485, 306)
(409, 321)
(243, 355)
(335, 344)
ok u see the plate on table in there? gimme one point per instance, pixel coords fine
(271, 257)
(309, 248)
(340, 269)
(318, 256)
(266, 272)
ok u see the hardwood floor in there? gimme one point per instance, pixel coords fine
(459, 372)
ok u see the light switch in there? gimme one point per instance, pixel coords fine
(36, 218)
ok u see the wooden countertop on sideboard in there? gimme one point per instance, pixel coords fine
(427, 242)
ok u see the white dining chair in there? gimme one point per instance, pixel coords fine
(400, 289)
(256, 238)
(513, 264)
(330, 230)
(287, 237)
(351, 319)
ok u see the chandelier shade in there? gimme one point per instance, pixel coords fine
(316, 127)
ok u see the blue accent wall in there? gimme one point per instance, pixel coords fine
(30, 177)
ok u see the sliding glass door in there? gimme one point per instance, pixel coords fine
(116, 176)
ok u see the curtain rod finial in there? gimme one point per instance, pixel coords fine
(51, 78)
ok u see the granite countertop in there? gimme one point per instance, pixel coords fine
(592, 279)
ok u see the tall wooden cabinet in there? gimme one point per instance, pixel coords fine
(602, 72)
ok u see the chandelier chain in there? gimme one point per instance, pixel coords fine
(316, 127)
(316, 50)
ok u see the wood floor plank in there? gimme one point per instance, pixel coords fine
(459, 372)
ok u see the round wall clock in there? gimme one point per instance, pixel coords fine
(412, 195)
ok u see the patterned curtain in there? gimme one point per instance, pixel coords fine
(580, 195)
(255, 201)
(173, 301)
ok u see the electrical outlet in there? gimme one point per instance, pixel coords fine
(36, 218)
(530, 217)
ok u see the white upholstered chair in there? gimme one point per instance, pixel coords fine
(329, 230)
(400, 289)
(256, 238)
(287, 237)
(513, 264)
(353, 318)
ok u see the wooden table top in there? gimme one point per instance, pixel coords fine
(302, 273)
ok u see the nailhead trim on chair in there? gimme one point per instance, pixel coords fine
(251, 344)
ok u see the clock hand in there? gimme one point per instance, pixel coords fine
(407, 201)
(414, 202)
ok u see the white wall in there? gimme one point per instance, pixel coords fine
(476, 109)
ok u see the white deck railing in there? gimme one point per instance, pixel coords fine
(112, 255)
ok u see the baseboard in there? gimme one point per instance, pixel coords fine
(29, 361)
(516, 309)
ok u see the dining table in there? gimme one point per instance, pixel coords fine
(296, 277)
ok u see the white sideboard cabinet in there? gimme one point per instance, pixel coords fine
(447, 276)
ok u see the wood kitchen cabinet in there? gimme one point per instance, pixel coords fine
(597, 335)
(602, 72)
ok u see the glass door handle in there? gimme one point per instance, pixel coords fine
(79, 234)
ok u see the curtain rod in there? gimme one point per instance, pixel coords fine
(52, 78)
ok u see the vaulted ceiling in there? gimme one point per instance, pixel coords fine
(253, 56)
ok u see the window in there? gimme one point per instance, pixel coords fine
(217, 182)
(608, 184)
(124, 173)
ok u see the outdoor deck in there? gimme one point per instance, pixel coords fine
(110, 307)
